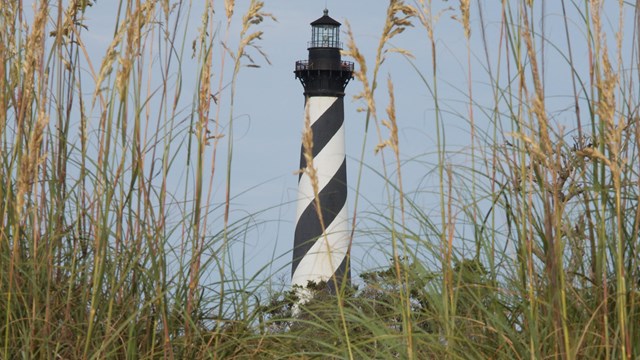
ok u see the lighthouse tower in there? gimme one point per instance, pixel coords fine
(320, 254)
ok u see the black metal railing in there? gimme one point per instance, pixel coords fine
(324, 44)
(307, 65)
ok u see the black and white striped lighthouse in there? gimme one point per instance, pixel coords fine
(319, 254)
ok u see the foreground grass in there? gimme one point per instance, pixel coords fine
(532, 251)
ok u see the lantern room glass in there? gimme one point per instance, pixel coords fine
(326, 36)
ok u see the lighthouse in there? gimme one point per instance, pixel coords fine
(321, 241)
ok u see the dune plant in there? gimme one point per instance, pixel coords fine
(102, 252)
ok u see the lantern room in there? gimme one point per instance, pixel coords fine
(325, 32)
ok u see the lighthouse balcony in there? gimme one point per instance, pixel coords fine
(324, 76)
(306, 65)
(324, 43)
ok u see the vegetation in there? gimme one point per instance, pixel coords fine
(531, 252)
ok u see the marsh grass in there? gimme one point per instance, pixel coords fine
(529, 250)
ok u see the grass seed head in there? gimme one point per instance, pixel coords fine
(464, 11)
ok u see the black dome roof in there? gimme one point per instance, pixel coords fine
(326, 20)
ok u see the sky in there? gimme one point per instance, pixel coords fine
(269, 108)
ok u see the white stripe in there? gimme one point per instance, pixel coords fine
(318, 105)
(325, 256)
(327, 163)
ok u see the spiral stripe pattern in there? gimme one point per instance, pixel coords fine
(319, 255)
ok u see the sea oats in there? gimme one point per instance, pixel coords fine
(229, 5)
(464, 12)
(538, 101)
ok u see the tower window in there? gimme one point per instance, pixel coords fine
(325, 36)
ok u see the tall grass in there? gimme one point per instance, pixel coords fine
(104, 254)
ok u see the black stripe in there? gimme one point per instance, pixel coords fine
(324, 129)
(333, 198)
(343, 273)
